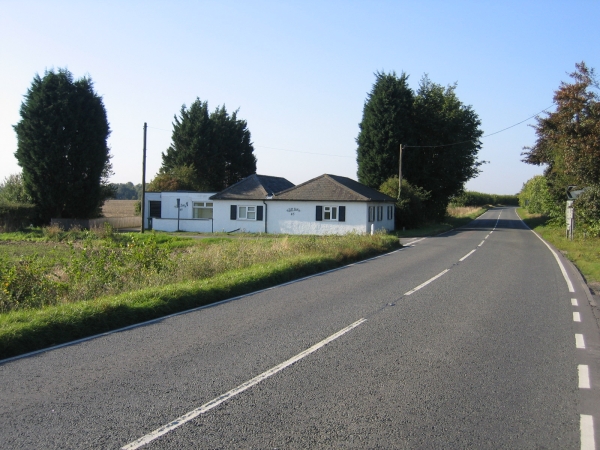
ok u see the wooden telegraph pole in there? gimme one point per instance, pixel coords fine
(399, 171)
(144, 179)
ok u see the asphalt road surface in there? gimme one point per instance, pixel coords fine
(478, 338)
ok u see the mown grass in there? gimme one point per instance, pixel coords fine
(583, 251)
(456, 217)
(111, 281)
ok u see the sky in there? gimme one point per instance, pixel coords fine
(297, 71)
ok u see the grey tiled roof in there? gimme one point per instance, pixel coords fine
(333, 188)
(254, 187)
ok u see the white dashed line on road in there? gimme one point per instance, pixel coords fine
(576, 317)
(584, 376)
(586, 425)
(574, 302)
(421, 286)
(241, 388)
(579, 342)
(467, 255)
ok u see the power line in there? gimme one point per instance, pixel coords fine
(405, 146)
(482, 137)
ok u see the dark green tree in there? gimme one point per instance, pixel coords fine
(425, 123)
(12, 190)
(445, 144)
(216, 145)
(62, 146)
(386, 123)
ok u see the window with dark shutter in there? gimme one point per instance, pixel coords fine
(259, 213)
(233, 212)
(342, 213)
(319, 213)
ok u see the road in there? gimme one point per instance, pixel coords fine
(464, 340)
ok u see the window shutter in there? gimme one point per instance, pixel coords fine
(233, 214)
(319, 213)
(342, 213)
(259, 213)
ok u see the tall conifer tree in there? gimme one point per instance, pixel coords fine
(62, 146)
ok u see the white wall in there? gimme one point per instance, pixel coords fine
(192, 225)
(223, 222)
(300, 218)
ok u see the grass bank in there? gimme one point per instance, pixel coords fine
(583, 251)
(154, 277)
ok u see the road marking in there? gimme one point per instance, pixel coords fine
(586, 427)
(576, 317)
(574, 302)
(467, 255)
(241, 388)
(560, 264)
(427, 282)
(579, 342)
(481, 243)
(584, 376)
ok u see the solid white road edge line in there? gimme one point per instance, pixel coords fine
(584, 376)
(467, 255)
(241, 388)
(560, 264)
(576, 317)
(427, 282)
(586, 427)
(579, 342)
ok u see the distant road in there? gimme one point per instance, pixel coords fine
(465, 340)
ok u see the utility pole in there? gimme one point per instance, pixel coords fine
(144, 179)
(399, 171)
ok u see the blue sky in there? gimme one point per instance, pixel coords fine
(299, 71)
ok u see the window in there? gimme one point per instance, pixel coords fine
(247, 212)
(155, 208)
(379, 213)
(390, 212)
(329, 213)
(371, 214)
(203, 210)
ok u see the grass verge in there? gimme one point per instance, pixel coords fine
(26, 330)
(583, 252)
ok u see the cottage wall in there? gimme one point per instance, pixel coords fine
(300, 217)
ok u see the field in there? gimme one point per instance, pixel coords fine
(57, 286)
(119, 208)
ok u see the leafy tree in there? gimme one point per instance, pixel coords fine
(441, 136)
(587, 211)
(443, 156)
(216, 145)
(12, 190)
(179, 178)
(536, 198)
(568, 140)
(62, 146)
(411, 208)
(568, 143)
(127, 191)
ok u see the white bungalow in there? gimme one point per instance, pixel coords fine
(328, 204)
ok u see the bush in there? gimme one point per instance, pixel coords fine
(587, 211)
(411, 210)
(473, 198)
